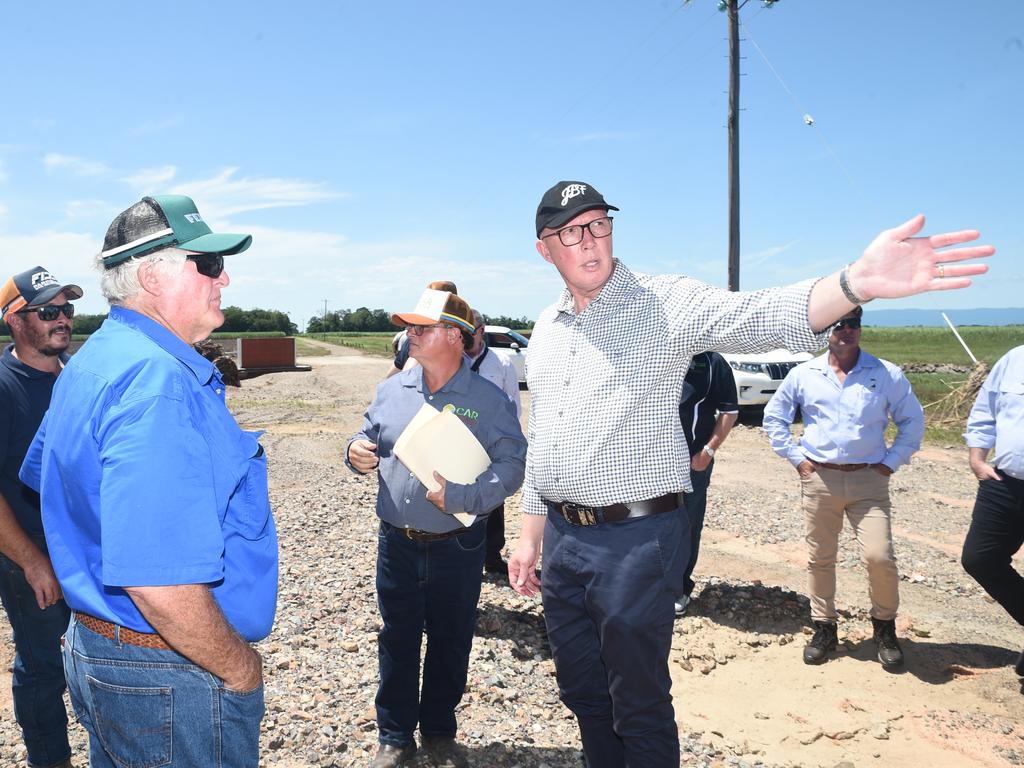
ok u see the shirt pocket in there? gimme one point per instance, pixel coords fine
(249, 507)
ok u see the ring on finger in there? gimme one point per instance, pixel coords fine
(942, 270)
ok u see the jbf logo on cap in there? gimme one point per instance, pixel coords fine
(194, 218)
(573, 190)
(42, 279)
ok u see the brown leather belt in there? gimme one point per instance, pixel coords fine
(426, 536)
(125, 635)
(579, 514)
(841, 467)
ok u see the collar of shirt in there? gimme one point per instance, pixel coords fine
(201, 368)
(458, 383)
(22, 369)
(864, 361)
(620, 286)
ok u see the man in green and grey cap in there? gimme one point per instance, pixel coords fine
(155, 506)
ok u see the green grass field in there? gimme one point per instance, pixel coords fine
(376, 343)
(904, 346)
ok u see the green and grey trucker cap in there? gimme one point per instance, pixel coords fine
(164, 221)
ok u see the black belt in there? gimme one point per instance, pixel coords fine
(415, 535)
(579, 514)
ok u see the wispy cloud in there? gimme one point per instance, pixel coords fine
(3, 172)
(69, 255)
(599, 136)
(225, 195)
(80, 167)
(766, 254)
(4, 210)
(150, 179)
(90, 210)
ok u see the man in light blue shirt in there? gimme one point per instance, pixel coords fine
(430, 566)
(997, 524)
(846, 398)
(155, 508)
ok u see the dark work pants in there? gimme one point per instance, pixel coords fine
(996, 533)
(495, 535)
(609, 593)
(430, 587)
(37, 679)
(696, 504)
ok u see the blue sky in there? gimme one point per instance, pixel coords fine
(372, 147)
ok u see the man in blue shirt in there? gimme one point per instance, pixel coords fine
(708, 411)
(847, 397)
(156, 509)
(997, 524)
(429, 566)
(36, 309)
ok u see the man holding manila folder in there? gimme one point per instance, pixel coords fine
(430, 563)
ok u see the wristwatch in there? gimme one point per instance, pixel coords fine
(709, 451)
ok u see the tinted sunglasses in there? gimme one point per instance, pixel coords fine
(50, 312)
(853, 323)
(208, 264)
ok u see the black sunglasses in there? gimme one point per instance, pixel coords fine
(853, 323)
(208, 264)
(50, 312)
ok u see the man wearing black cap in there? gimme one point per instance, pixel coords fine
(35, 306)
(607, 457)
(156, 509)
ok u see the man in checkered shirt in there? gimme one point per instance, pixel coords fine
(607, 461)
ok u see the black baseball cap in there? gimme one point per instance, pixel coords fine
(33, 288)
(565, 201)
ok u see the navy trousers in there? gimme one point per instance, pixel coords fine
(430, 587)
(609, 593)
(996, 533)
(696, 505)
(37, 679)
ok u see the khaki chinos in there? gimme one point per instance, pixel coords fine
(863, 495)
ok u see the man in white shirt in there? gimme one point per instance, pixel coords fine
(500, 371)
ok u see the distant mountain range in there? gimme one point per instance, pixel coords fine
(902, 317)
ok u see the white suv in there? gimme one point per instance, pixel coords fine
(758, 375)
(510, 344)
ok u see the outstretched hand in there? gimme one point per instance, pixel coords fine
(898, 263)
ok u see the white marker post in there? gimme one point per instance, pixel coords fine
(959, 338)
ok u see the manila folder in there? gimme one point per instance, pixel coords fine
(439, 442)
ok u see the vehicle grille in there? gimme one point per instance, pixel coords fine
(778, 370)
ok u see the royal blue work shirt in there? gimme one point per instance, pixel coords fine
(24, 398)
(997, 418)
(844, 422)
(147, 480)
(490, 416)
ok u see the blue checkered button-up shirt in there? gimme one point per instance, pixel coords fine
(605, 383)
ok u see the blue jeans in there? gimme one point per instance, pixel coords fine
(432, 587)
(149, 708)
(37, 682)
(608, 596)
(696, 504)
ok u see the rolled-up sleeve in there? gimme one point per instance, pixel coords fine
(778, 416)
(981, 422)
(505, 445)
(908, 416)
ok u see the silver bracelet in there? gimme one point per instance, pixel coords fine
(844, 283)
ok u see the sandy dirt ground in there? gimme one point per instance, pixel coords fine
(739, 684)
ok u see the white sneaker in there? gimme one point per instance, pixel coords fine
(681, 604)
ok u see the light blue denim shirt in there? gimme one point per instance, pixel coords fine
(844, 422)
(490, 416)
(997, 418)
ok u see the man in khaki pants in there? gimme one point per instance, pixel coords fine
(846, 398)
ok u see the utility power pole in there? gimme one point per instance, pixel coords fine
(733, 13)
(325, 320)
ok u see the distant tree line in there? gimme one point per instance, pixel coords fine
(364, 320)
(236, 320)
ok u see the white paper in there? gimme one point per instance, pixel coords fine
(439, 442)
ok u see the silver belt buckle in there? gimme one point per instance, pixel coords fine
(583, 515)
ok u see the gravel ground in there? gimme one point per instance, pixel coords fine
(738, 679)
